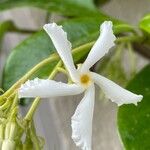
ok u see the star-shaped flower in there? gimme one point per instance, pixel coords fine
(83, 81)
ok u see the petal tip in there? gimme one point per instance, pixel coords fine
(27, 86)
(76, 133)
(139, 98)
(50, 26)
(135, 101)
(107, 25)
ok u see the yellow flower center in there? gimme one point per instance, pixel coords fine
(85, 79)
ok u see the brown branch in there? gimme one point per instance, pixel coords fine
(143, 49)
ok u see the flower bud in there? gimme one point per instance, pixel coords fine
(9, 138)
(8, 145)
(1, 134)
(10, 130)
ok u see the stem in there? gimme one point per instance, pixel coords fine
(132, 59)
(15, 101)
(13, 114)
(139, 44)
(23, 31)
(142, 48)
(130, 39)
(32, 109)
(53, 57)
(1, 90)
(29, 74)
(62, 70)
(7, 103)
(54, 72)
(35, 103)
(34, 138)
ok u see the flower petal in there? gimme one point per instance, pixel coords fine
(114, 92)
(101, 47)
(82, 120)
(48, 88)
(63, 47)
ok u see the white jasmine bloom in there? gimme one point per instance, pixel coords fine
(83, 79)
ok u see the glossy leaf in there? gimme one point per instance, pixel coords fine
(9, 26)
(75, 7)
(145, 24)
(134, 121)
(4, 26)
(101, 2)
(37, 47)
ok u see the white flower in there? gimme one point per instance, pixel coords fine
(83, 79)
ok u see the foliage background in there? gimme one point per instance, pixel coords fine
(53, 117)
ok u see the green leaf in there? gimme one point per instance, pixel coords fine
(134, 121)
(66, 7)
(39, 46)
(145, 24)
(1, 90)
(144, 47)
(9, 26)
(101, 2)
(4, 27)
